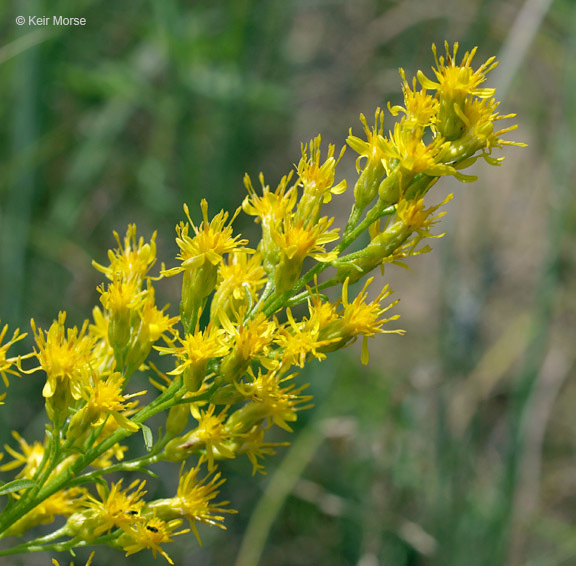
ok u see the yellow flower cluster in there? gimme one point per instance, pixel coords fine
(249, 318)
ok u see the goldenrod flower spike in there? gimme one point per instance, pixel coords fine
(244, 325)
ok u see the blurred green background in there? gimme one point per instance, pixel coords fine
(456, 445)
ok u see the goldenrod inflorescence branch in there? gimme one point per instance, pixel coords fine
(238, 338)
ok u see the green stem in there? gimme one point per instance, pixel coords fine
(33, 546)
(53, 461)
(376, 212)
(268, 291)
(353, 220)
(58, 533)
(131, 466)
(301, 297)
(205, 396)
(46, 467)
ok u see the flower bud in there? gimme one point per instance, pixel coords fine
(367, 185)
(177, 419)
(389, 190)
(182, 447)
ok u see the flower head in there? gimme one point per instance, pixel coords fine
(133, 258)
(271, 400)
(251, 340)
(298, 339)
(104, 398)
(479, 117)
(296, 242)
(121, 295)
(457, 81)
(362, 318)
(417, 219)
(270, 210)
(211, 434)
(65, 356)
(194, 500)
(420, 108)
(30, 457)
(412, 156)
(317, 181)
(239, 280)
(253, 444)
(194, 353)
(271, 207)
(211, 240)
(6, 363)
(115, 508)
(366, 187)
(369, 149)
(150, 534)
(318, 178)
(456, 84)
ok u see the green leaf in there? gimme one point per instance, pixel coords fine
(148, 438)
(16, 485)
